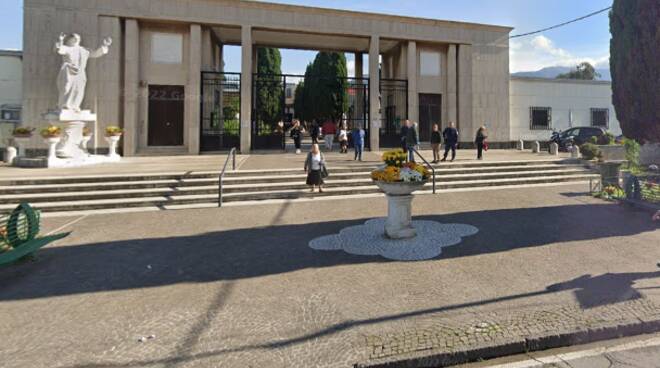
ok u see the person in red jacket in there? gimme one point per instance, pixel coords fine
(329, 130)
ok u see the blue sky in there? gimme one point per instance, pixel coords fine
(587, 40)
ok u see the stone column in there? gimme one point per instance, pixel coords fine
(464, 70)
(360, 96)
(131, 86)
(246, 88)
(413, 95)
(193, 86)
(208, 50)
(374, 93)
(452, 107)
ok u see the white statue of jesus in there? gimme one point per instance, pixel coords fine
(72, 78)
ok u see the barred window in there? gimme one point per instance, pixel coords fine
(540, 118)
(10, 115)
(600, 117)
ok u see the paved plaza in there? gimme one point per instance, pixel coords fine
(240, 287)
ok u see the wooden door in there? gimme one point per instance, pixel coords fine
(166, 107)
(429, 113)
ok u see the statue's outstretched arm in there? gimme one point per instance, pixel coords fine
(60, 48)
(101, 50)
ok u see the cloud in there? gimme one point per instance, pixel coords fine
(540, 51)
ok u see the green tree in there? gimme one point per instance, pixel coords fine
(327, 86)
(269, 86)
(634, 56)
(583, 71)
(299, 101)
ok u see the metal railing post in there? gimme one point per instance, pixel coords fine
(232, 155)
(427, 164)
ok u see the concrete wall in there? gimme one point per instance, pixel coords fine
(562, 96)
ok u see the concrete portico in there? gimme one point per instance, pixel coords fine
(462, 68)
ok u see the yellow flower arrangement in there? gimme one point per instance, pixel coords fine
(23, 132)
(397, 168)
(113, 130)
(51, 131)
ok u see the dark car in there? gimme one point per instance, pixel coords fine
(578, 136)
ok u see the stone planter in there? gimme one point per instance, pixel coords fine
(613, 152)
(83, 143)
(112, 142)
(52, 143)
(21, 142)
(399, 208)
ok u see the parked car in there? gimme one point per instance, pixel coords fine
(578, 136)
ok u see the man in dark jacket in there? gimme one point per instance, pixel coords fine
(403, 134)
(412, 140)
(450, 134)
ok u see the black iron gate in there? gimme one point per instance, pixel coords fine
(220, 111)
(270, 122)
(394, 110)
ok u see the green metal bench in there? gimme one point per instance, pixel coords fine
(18, 234)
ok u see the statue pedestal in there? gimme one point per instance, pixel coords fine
(74, 122)
(399, 217)
(71, 149)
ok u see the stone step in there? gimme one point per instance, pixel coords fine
(336, 168)
(162, 201)
(150, 181)
(169, 187)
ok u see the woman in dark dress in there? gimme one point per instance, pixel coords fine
(296, 134)
(314, 165)
(480, 140)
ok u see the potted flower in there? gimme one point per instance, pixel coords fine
(52, 131)
(113, 131)
(398, 179)
(23, 132)
(86, 137)
(22, 136)
(112, 135)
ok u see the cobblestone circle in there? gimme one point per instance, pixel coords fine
(369, 240)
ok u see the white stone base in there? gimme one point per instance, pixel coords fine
(369, 240)
(399, 217)
(56, 162)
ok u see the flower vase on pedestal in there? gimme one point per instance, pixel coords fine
(112, 146)
(52, 143)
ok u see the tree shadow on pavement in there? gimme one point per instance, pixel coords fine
(255, 252)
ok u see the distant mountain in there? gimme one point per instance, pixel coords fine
(553, 71)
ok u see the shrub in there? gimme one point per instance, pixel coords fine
(593, 140)
(611, 139)
(632, 154)
(590, 151)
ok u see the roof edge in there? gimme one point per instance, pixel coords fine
(558, 80)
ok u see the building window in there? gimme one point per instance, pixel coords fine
(10, 114)
(166, 48)
(289, 92)
(600, 117)
(429, 63)
(540, 118)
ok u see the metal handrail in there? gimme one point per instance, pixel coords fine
(427, 164)
(231, 154)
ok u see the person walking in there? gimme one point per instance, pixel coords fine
(403, 134)
(480, 140)
(296, 134)
(412, 140)
(315, 168)
(343, 138)
(436, 139)
(329, 131)
(450, 135)
(358, 142)
(315, 132)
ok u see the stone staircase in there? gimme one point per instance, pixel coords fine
(104, 193)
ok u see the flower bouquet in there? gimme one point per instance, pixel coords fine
(396, 169)
(22, 132)
(52, 131)
(113, 131)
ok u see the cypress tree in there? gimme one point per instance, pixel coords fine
(635, 67)
(269, 88)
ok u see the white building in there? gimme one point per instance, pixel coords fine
(538, 106)
(11, 93)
